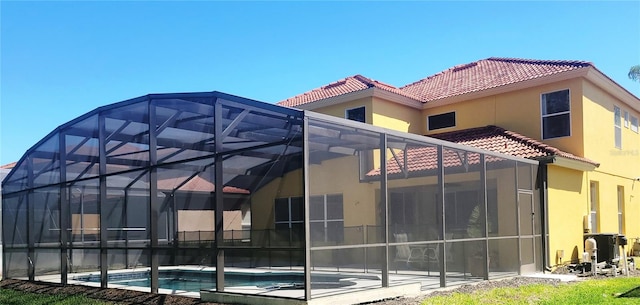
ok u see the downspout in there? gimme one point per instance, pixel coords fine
(544, 200)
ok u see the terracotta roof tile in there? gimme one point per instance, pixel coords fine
(467, 78)
(426, 158)
(500, 140)
(486, 74)
(9, 165)
(490, 138)
(341, 87)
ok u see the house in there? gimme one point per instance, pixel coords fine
(577, 122)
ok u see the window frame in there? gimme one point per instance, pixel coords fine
(326, 220)
(289, 220)
(634, 127)
(625, 116)
(617, 127)
(455, 120)
(594, 202)
(621, 205)
(346, 113)
(543, 116)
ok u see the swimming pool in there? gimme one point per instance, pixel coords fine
(196, 280)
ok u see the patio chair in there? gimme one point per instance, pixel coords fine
(414, 254)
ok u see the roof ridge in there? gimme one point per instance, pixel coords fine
(372, 82)
(540, 61)
(327, 86)
(486, 74)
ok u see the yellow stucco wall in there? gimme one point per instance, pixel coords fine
(339, 110)
(263, 200)
(340, 176)
(397, 117)
(599, 134)
(608, 203)
(335, 176)
(517, 111)
(618, 167)
(567, 204)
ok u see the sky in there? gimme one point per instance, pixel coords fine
(59, 60)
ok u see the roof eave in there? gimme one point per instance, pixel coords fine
(369, 92)
(397, 98)
(336, 99)
(578, 165)
(607, 84)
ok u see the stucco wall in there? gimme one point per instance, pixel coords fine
(517, 111)
(568, 203)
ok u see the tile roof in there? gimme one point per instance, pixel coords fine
(9, 165)
(341, 87)
(490, 138)
(467, 78)
(426, 158)
(486, 74)
(497, 139)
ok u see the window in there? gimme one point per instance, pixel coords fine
(326, 218)
(626, 119)
(403, 211)
(443, 120)
(620, 209)
(634, 124)
(617, 127)
(356, 114)
(556, 114)
(289, 213)
(593, 191)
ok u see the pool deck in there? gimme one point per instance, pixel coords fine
(362, 288)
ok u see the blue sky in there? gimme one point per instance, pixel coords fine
(59, 60)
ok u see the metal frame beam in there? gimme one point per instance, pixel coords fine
(384, 196)
(153, 197)
(102, 202)
(219, 199)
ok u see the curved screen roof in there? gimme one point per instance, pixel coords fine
(164, 130)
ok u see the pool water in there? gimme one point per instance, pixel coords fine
(195, 280)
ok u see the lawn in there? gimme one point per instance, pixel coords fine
(603, 291)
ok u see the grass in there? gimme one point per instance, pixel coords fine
(634, 293)
(604, 291)
(13, 297)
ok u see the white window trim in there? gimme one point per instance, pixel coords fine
(346, 112)
(542, 116)
(594, 205)
(455, 123)
(626, 118)
(616, 127)
(635, 127)
(620, 193)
